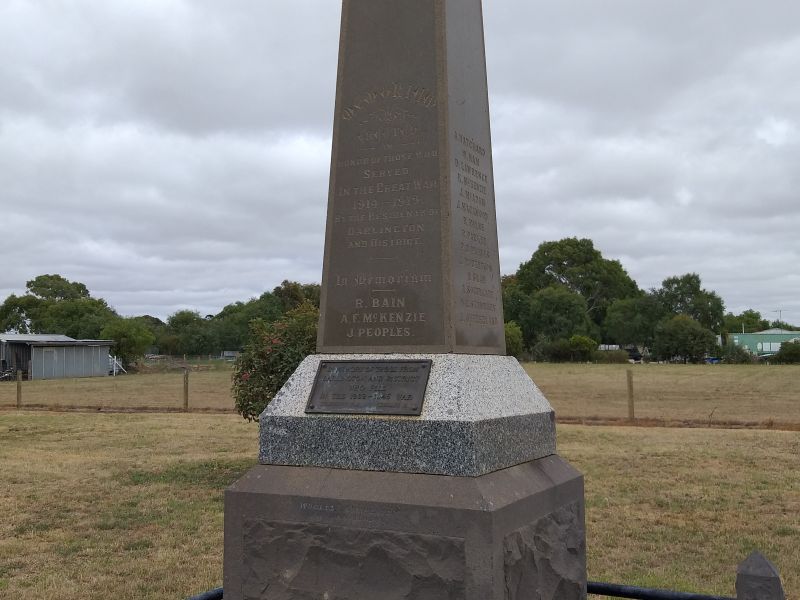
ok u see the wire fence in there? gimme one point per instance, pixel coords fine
(685, 395)
(694, 395)
(196, 387)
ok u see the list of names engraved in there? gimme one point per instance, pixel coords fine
(478, 304)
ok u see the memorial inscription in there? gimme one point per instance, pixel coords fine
(478, 304)
(385, 229)
(382, 281)
(477, 312)
(395, 387)
(411, 257)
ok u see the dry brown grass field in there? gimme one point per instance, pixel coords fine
(130, 505)
(700, 393)
(767, 395)
(208, 390)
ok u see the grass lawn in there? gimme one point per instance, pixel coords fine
(130, 505)
(701, 393)
(208, 390)
(698, 393)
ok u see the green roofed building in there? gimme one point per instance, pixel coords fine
(763, 343)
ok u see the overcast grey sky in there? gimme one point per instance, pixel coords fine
(174, 154)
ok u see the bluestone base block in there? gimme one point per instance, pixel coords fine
(295, 533)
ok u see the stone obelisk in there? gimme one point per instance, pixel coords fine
(411, 213)
(410, 458)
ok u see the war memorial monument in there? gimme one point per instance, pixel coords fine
(410, 458)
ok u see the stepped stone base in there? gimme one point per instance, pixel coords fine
(302, 533)
(480, 414)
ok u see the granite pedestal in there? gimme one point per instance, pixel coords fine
(480, 414)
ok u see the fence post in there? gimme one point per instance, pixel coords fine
(186, 390)
(631, 414)
(758, 579)
(19, 389)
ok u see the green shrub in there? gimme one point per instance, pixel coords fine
(682, 338)
(581, 348)
(616, 357)
(131, 339)
(514, 346)
(578, 348)
(554, 351)
(274, 352)
(789, 354)
(736, 355)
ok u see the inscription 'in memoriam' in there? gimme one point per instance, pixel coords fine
(381, 387)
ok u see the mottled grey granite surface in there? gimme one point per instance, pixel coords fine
(481, 414)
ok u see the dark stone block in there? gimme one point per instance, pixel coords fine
(546, 559)
(308, 560)
(305, 532)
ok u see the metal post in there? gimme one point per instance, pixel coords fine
(210, 595)
(631, 415)
(614, 590)
(186, 390)
(19, 389)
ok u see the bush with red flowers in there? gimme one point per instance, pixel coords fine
(274, 352)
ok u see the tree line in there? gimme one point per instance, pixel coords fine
(53, 304)
(568, 298)
(559, 305)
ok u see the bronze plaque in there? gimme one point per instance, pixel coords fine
(370, 387)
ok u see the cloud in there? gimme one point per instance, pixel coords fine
(663, 132)
(174, 154)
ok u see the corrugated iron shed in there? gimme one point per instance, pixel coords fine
(54, 356)
(35, 337)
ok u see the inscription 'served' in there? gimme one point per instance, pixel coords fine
(383, 387)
